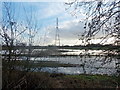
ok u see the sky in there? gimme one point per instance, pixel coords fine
(44, 15)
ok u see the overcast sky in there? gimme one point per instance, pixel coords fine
(45, 14)
(69, 26)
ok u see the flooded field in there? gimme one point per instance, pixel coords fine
(74, 61)
(88, 63)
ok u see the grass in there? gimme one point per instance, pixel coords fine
(47, 80)
(14, 78)
(97, 80)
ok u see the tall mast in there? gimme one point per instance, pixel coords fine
(57, 36)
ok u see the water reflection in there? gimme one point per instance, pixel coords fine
(69, 51)
(95, 61)
(78, 70)
(82, 52)
(84, 65)
(85, 62)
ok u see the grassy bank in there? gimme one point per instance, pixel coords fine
(20, 79)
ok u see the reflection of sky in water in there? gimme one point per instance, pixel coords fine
(92, 64)
(82, 52)
(78, 70)
(89, 62)
(75, 51)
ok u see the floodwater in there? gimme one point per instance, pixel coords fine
(83, 64)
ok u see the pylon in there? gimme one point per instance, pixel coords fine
(57, 36)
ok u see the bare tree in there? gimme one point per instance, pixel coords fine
(102, 19)
(12, 32)
(101, 16)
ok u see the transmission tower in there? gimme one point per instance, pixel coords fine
(57, 36)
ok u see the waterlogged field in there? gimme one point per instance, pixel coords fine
(71, 61)
(81, 65)
(63, 69)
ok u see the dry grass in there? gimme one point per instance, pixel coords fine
(46, 80)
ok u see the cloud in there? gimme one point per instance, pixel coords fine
(68, 31)
(50, 10)
(69, 27)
